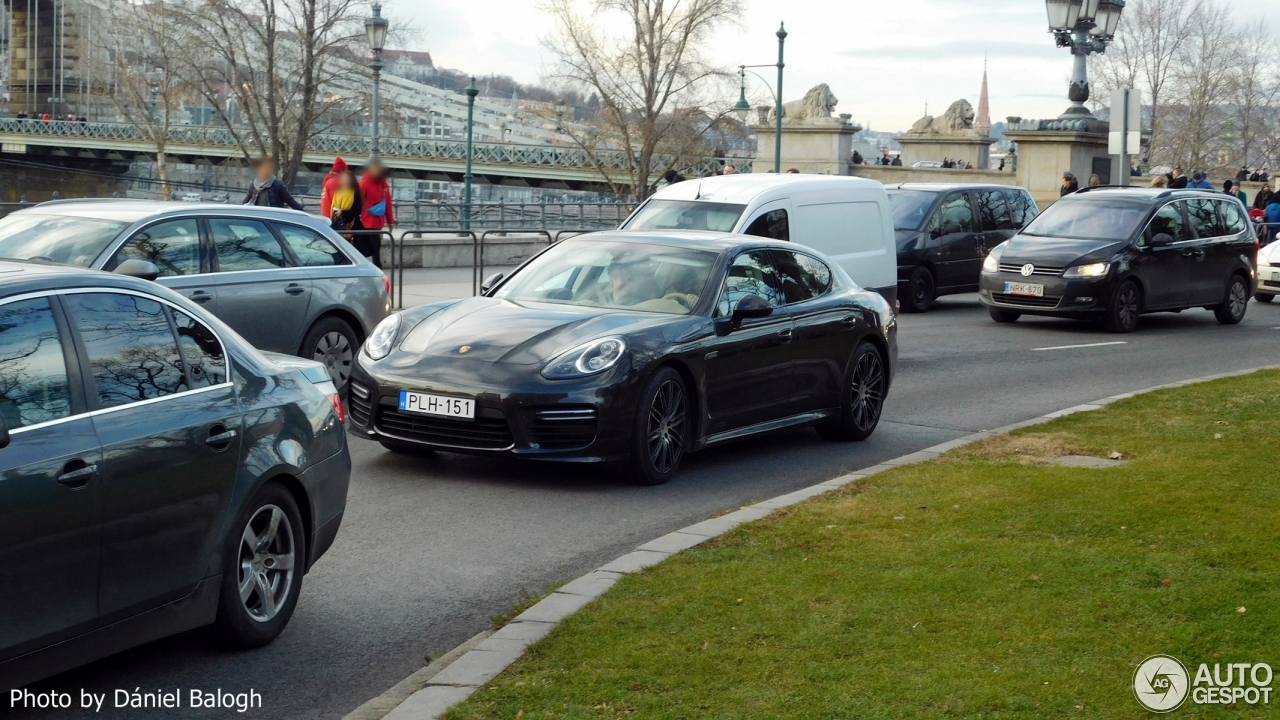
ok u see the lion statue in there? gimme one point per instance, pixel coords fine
(958, 120)
(816, 105)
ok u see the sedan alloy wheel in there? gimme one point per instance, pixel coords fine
(267, 560)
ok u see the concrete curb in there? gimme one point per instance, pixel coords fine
(482, 658)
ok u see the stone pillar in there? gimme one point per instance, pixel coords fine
(971, 149)
(820, 147)
(1049, 148)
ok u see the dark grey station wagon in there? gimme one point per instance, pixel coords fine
(281, 278)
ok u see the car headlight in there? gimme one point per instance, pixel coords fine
(1263, 261)
(992, 263)
(586, 359)
(379, 343)
(1092, 270)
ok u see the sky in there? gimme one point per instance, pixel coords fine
(884, 59)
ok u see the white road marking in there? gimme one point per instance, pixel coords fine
(1073, 347)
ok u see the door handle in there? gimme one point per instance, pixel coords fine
(76, 474)
(850, 320)
(785, 335)
(1193, 253)
(200, 296)
(221, 439)
(295, 289)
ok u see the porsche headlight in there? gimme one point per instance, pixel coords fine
(379, 343)
(586, 359)
(1092, 270)
(992, 263)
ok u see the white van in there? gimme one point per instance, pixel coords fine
(846, 218)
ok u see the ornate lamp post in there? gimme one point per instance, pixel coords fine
(376, 30)
(1085, 26)
(743, 108)
(472, 92)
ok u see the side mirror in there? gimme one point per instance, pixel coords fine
(490, 282)
(4, 433)
(952, 229)
(749, 306)
(139, 269)
(1160, 240)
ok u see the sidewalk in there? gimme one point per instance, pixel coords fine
(428, 285)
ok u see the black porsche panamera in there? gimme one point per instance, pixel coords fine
(635, 348)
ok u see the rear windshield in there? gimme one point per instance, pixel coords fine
(910, 208)
(686, 215)
(68, 240)
(1087, 221)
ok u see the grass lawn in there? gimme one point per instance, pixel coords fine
(982, 585)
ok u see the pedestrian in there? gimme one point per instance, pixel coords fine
(1001, 168)
(1177, 181)
(1160, 181)
(730, 169)
(1272, 218)
(345, 203)
(1069, 184)
(897, 161)
(1199, 182)
(1263, 198)
(672, 177)
(1243, 175)
(792, 171)
(1233, 190)
(329, 184)
(884, 159)
(378, 210)
(857, 158)
(1095, 181)
(1264, 176)
(267, 190)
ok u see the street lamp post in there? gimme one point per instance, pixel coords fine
(743, 108)
(472, 92)
(376, 30)
(1085, 26)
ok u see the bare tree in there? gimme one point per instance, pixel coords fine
(651, 78)
(1254, 90)
(1202, 88)
(141, 44)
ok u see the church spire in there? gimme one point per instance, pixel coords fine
(983, 125)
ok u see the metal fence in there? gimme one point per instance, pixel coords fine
(420, 215)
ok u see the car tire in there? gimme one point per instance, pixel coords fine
(406, 448)
(1126, 306)
(1264, 297)
(661, 429)
(1234, 303)
(921, 291)
(1003, 316)
(866, 385)
(332, 341)
(265, 557)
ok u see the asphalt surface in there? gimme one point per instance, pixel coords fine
(431, 548)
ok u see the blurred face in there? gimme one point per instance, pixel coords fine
(266, 169)
(374, 169)
(346, 181)
(632, 282)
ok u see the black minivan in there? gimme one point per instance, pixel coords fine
(1112, 254)
(944, 231)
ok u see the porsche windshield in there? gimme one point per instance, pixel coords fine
(686, 215)
(59, 238)
(619, 275)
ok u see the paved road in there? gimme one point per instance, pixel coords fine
(431, 548)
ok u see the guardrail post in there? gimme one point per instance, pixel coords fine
(417, 207)
(502, 222)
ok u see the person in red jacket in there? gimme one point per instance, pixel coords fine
(329, 185)
(378, 210)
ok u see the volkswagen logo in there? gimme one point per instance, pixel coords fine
(1028, 269)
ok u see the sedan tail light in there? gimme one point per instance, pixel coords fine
(386, 283)
(331, 392)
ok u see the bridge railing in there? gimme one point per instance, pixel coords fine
(219, 137)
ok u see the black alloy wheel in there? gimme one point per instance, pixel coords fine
(661, 428)
(866, 387)
(1126, 306)
(1234, 303)
(1003, 316)
(921, 291)
(265, 558)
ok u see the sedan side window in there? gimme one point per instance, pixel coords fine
(245, 245)
(803, 277)
(201, 352)
(773, 225)
(130, 346)
(174, 247)
(33, 370)
(1204, 218)
(310, 248)
(752, 273)
(1169, 220)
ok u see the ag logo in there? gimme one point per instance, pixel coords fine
(1028, 269)
(1160, 683)
(464, 349)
